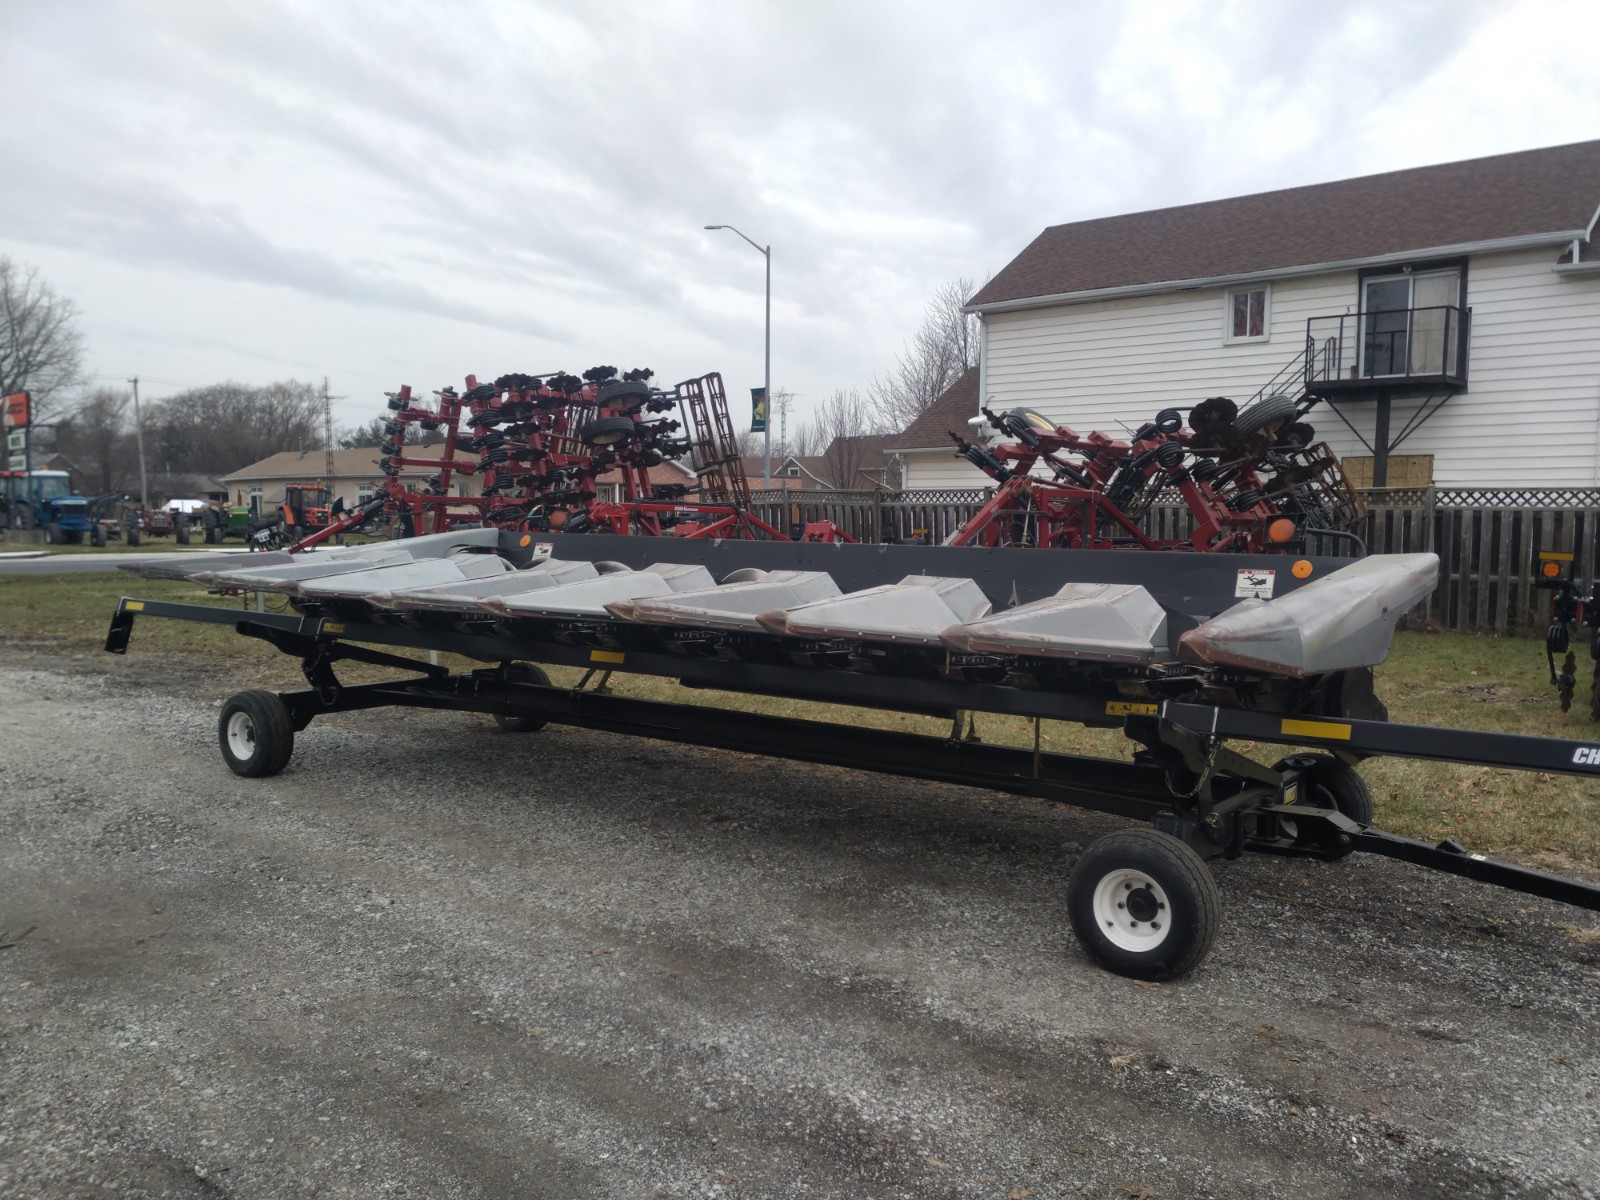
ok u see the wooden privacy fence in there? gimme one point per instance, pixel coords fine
(1487, 539)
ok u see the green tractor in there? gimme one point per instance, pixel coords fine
(224, 521)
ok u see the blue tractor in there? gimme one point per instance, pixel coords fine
(45, 500)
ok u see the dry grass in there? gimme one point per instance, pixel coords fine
(1440, 679)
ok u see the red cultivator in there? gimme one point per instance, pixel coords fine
(541, 444)
(1247, 479)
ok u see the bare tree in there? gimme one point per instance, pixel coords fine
(806, 439)
(941, 350)
(41, 350)
(217, 429)
(844, 424)
(98, 438)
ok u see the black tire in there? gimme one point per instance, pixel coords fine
(623, 393)
(97, 536)
(255, 733)
(1266, 413)
(1143, 905)
(180, 529)
(607, 431)
(518, 722)
(1327, 782)
(213, 534)
(52, 534)
(132, 537)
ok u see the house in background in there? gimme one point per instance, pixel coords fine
(1449, 316)
(854, 464)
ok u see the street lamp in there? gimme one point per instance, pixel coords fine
(766, 390)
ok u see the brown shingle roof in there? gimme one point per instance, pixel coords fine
(950, 412)
(360, 463)
(1532, 192)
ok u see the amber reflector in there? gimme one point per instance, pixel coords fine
(1281, 530)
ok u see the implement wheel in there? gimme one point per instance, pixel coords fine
(256, 734)
(521, 722)
(1143, 904)
(1267, 413)
(607, 431)
(624, 393)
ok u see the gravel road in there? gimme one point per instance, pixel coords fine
(431, 959)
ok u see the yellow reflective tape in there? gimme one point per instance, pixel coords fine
(332, 627)
(133, 606)
(605, 656)
(1555, 555)
(1129, 708)
(1330, 731)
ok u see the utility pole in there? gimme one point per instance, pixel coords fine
(138, 434)
(327, 439)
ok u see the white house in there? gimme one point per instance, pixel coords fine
(1448, 317)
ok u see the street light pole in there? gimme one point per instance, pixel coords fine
(766, 386)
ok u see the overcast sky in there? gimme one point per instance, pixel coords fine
(391, 192)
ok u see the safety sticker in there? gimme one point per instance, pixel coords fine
(543, 550)
(1255, 584)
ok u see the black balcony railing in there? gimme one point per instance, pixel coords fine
(1391, 345)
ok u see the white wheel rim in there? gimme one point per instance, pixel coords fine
(1131, 910)
(241, 736)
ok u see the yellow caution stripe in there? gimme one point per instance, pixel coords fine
(332, 627)
(1555, 555)
(1327, 731)
(133, 606)
(605, 656)
(1130, 708)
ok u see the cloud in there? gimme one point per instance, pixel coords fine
(540, 173)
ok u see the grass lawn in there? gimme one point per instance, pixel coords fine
(1442, 679)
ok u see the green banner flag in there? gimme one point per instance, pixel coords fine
(758, 410)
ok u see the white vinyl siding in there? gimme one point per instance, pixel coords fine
(942, 469)
(1530, 419)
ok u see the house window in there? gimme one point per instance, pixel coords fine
(363, 494)
(1247, 315)
(255, 500)
(794, 472)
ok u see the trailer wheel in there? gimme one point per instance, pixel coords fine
(1331, 783)
(607, 431)
(521, 722)
(52, 534)
(1143, 904)
(256, 735)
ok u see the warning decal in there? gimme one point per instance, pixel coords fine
(1255, 584)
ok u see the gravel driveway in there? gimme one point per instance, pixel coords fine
(431, 959)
